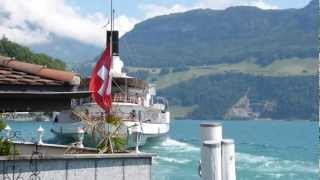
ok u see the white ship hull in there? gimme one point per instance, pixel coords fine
(153, 126)
(149, 132)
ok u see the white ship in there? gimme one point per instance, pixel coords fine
(134, 100)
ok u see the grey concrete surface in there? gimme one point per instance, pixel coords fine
(127, 166)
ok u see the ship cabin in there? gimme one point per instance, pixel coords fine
(129, 90)
(132, 90)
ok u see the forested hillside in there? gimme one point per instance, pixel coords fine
(22, 53)
(290, 98)
(206, 37)
(238, 63)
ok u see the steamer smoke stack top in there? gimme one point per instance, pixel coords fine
(115, 41)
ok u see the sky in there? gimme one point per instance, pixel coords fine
(33, 21)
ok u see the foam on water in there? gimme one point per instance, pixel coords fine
(273, 167)
(175, 146)
(174, 155)
(175, 160)
(172, 160)
(174, 152)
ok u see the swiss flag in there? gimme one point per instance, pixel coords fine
(100, 83)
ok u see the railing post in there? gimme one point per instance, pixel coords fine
(40, 131)
(81, 137)
(228, 160)
(136, 132)
(7, 132)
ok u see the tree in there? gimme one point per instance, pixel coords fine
(21, 53)
(5, 144)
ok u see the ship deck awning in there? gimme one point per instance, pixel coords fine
(38, 101)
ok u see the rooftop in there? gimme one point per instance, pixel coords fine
(36, 88)
(14, 72)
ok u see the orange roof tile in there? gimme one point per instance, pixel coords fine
(16, 72)
(10, 66)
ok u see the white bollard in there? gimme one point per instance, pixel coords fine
(228, 160)
(211, 131)
(211, 160)
(40, 131)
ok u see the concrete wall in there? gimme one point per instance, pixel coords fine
(78, 167)
(25, 148)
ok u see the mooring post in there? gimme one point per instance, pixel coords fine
(228, 160)
(211, 132)
(211, 137)
(211, 160)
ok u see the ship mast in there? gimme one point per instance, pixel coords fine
(111, 28)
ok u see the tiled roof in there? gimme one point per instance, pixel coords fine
(11, 76)
(13, 72)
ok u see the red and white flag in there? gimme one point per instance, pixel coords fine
(100, 83)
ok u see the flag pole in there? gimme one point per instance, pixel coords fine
(111, 57)
(111, 36)
(111, 41)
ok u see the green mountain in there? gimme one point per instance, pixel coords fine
(206, 37)
(22, 53)
(238, 63)
(285, 89)
(241, 96)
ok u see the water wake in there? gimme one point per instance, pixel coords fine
(272, 166)
(172, 160)
(175, 154)
(176, 146)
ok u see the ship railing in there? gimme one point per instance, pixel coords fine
(127, 116)
(133, 99)
(127, 99)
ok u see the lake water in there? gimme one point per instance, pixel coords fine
(265, 150)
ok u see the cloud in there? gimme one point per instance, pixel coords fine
(152, 10)
(32, 21)
(263, 5)
(223, 4)
(124, 24)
